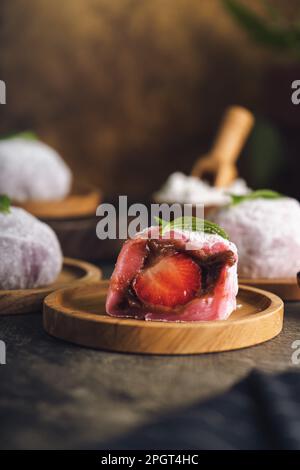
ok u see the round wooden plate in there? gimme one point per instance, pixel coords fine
(74, 272)
(78, 315)
(83, 201)
(286, 288)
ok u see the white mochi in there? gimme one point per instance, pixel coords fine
(31, 170)
(30, 254)
(267, 235)
(186, 189)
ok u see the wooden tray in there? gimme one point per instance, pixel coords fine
(78, 315)
(83, 201)
(207, 209)
(74, 272)
(78, 239)
(286, 288)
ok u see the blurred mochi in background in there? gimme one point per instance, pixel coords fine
(130, 91)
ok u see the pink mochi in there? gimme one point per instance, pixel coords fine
(30, 254)
(267, 235)
(217, 304)
(31, 170)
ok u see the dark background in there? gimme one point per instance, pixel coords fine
(131, 90)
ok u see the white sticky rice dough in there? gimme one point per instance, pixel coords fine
(267, 235)
(192, 190)
(30, 253)
(31, 170)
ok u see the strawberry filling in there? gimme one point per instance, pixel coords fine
(170, 277)
(164, 280)
(169, 281)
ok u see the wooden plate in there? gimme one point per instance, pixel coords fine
(83, 201)
(74, 272)
(286, 288)
(78, 315)
(208, 209)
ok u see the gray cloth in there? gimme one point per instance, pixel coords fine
(261, 412)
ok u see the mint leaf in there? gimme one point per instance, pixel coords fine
(160, 222)
(4, 204)
(235, 199)
(194, 224)
(28, 135)
(266, 194)
(259, 194)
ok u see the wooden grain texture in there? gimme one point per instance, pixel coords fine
(78, 239)
(83, 201)
(286, 288)
(92, 108)
(78, 315)
(74, 273)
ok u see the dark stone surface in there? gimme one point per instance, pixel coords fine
(57, 395)
(261, 412)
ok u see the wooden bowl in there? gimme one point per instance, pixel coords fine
(78, 239)
(83, 201)
(208, 209)
(74, 273)
(286, 288)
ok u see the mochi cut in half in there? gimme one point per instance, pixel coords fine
(190, 277)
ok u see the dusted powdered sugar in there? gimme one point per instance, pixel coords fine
(31, 170)
(200, 239)
(182, 188)
(267, 235)
(30, 253)
(196, 239)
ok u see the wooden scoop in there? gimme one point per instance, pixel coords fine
(220, 163)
